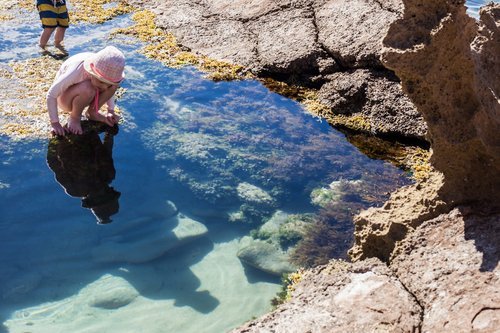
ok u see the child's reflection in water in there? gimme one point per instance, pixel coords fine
(83, 165)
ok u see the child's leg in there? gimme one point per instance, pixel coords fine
(104, 96)
(45, 36)
(74, 100)
(59, 36)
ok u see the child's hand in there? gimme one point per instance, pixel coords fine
(57, 128)
(74, 126)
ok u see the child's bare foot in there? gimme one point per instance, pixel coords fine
(74, 126)
(43, 51)
(61, 48)
(97, 116)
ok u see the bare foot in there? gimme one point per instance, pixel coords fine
(61, 48)
(74, 126)
(97, 116)
(43, 50)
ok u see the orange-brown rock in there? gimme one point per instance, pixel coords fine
(449, 65)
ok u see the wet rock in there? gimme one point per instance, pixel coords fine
(378, 97)
(109, 292)
(334, 192)
(341, 297)
(254, 195)
(265, 256)
(270, 247)
(257, 204)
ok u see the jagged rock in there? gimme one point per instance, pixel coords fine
(378, 97)
(450, 264)
(341, 297)
(449, 65)
(377, 230)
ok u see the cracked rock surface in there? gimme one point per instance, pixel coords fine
(381, 303)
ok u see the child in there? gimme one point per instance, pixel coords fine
(54, 16)
(86, 80)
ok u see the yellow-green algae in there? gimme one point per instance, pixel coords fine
(163, 46)
(309, 98)
(289, 283)
(412, 158)
(23, 109)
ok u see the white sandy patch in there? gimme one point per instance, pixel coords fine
(212, 295)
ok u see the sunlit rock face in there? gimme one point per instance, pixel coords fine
(338, 297)
(449, 65)
(450, 265)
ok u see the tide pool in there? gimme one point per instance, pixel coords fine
(186, 150)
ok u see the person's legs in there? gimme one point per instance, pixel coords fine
(74, 100)
(104, 96)
(45, 36)
(59, 36)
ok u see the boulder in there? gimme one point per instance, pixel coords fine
(341, 297)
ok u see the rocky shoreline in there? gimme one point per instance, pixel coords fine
(332, 46)
(435, 243)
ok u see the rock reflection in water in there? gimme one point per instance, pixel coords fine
(83, 166)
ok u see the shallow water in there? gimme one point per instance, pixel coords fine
(474, 5)
(187, 140)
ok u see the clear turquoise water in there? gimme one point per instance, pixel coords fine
(185, 139)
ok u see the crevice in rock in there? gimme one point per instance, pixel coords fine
(386, 8)
(415, 298)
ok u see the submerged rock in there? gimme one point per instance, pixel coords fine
(323, 196)
(265, 256)
(145, 244)
(254, 195)
(109, 292)
(271, 246)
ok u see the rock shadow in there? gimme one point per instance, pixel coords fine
(255, 275)
(170, 277)
(485, 232)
